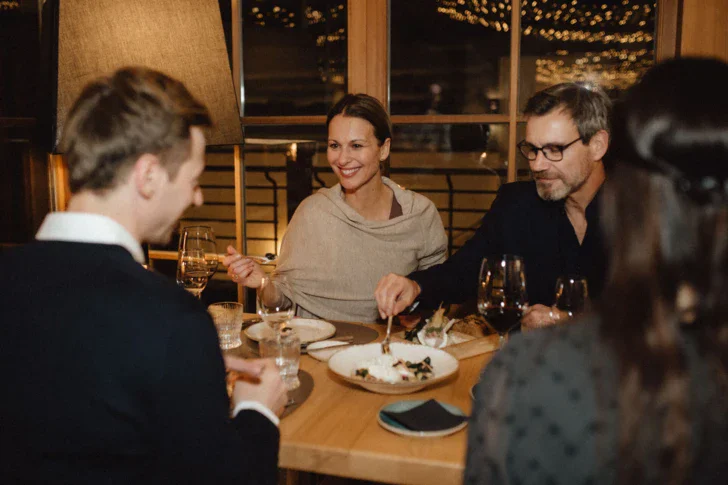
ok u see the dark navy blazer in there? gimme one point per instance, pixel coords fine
(113, 374)
(519, 222)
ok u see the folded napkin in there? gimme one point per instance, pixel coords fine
(428, 416)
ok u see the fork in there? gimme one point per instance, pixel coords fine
(385, 342)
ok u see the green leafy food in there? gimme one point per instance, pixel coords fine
(434, 330)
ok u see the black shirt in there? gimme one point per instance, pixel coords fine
(521, 223)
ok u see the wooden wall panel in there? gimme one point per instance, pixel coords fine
(704, 29)
(668, 18)
(368, 51)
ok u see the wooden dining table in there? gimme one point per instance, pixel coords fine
(335, 431)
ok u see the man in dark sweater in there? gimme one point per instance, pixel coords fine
(552, 221)
(112, 373)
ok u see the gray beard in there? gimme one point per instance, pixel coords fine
(550, 195)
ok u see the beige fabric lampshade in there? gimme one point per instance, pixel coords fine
(182, 38)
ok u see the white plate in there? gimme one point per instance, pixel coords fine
(400, 406)
(308, 330)
(345, 362)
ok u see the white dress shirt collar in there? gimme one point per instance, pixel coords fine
(84, 227)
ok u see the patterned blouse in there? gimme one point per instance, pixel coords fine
(546, 412)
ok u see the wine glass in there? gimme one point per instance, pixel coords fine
(502, 293)
(273, 306)
(193, 272)
(201, 237)
(282, 342)
(572, 294)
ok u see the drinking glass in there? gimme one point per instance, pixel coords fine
(572, 294)
(280, 342)
(203, 238)
(228, 318)
(284, 346)
(502, 293)
(192, 271)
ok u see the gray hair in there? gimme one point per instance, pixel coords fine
(586, 103)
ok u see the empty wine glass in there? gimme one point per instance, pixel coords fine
(502, 293)
(281, 342)
(572, 294)
(273, 306)
(192, 271)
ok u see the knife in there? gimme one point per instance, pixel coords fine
(325, 344)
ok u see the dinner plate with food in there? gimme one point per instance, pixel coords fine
(462, 337)
(440, 331)
(409, 368)
(308, 330)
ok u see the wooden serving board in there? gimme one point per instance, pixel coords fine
(469, 346)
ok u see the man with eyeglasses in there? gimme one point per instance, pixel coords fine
(552, 221)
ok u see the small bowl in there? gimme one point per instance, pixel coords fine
(346, 361)
(391, 425)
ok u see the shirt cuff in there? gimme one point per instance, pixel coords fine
(256, 406)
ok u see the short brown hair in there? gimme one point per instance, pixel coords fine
(117, 119)
(587, 104)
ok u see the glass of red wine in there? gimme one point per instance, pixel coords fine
(502, 296)
(572, 294)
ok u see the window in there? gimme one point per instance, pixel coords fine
(447, 69)
(294, 56)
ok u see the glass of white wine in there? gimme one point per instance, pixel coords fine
(193, 272)
(200, 237)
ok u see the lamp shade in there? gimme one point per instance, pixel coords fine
(182, 38)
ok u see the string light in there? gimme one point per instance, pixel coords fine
(612, 68)
(272, 15)
(573, 22)
(327, 25)
(9, 4)
(623, 27)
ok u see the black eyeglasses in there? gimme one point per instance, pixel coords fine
(552, 152)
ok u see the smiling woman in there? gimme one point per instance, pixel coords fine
(355, 153)
(343, 239)
(360, 135)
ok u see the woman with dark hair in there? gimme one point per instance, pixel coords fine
(635, 393)
(343, 239)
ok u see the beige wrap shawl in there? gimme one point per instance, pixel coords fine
(333, 258)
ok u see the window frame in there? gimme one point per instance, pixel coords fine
(368, 28)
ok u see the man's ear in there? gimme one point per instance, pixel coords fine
(598, 145)
(147, 175)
